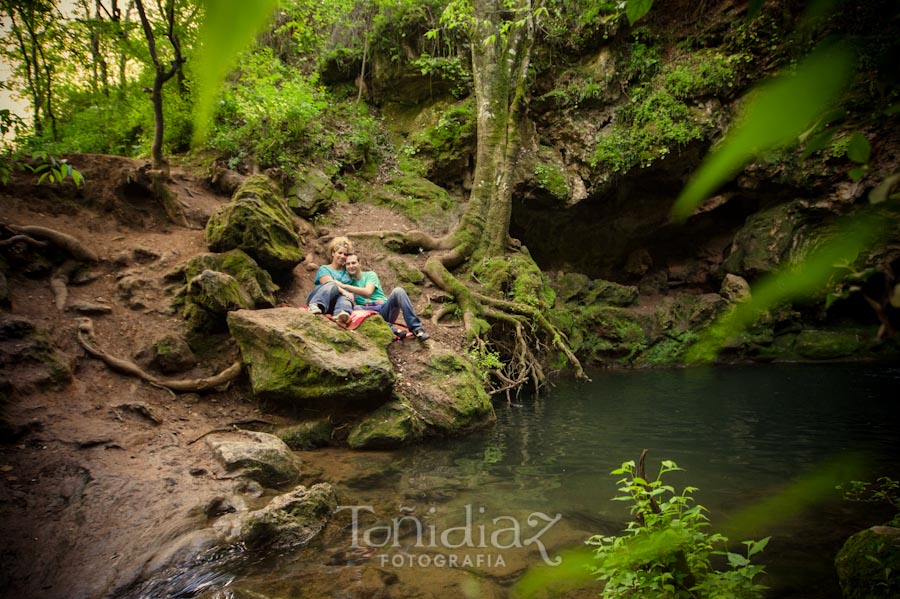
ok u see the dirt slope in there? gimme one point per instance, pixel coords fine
(97, 477)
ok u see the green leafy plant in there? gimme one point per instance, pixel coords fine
(48, 168)
(666, 551)
(485, 361)
(664, 113)
(883, 490)
(54, 170)
(449, 68)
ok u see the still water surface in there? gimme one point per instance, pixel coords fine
(741, 434)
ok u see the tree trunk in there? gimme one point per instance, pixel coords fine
(162, 75)
(499, 64)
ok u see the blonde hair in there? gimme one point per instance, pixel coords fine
(339, 242)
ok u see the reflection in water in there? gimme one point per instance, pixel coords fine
(741, 434)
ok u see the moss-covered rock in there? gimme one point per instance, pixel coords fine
(307, 435)
(312, 194)
(416, 197)
(827, 345)
(391, 425)
(735, 288)
(766, 240)
(405, 272)
(171, 354)
(515, 276)
(255, 282)
(440, 134)
(257, 221)
(572, 286)
(549, 179)
(291, 520)
(295, 357)
(208, 297)
(868, 564)
(614, 294)
(28, 361)
(447, 398)
(677, 314)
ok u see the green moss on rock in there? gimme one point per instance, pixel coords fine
(868, 563)
(827, 345)
(257, 221)
(253, 280)
(307, 435)
(390, 426)
(294, 356)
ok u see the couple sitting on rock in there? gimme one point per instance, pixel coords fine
(342, 285)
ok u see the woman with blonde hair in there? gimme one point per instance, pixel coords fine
(327, 297)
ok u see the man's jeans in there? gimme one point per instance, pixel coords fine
(396, 303)
(330, 299)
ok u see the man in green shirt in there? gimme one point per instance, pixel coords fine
(368, 294)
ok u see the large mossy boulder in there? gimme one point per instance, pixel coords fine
(827, 345)
(868, 564)
(219, 283)
(613, 294)
(447, 398)
(208, 297)
(309, 434)
(257, 221)
(298, 357)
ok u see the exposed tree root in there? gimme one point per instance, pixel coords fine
(58, 281)
(62, 240)
(85, 338)
(523, 326)
(40, 237)
(24, 239)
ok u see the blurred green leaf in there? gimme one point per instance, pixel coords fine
(859, 150)
(800, 495)
(228, 27)
(777, 113)
(635, 9)
(858, 173)
(574, 572)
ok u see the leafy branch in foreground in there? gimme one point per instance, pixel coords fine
(666, 552)
(47, 167)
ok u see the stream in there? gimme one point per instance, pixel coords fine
(466, 517)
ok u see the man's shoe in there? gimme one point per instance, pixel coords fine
(314, 309)
(421, 335)
(343, 317)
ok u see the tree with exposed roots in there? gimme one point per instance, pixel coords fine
(505, 302)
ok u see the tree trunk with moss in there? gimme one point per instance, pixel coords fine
(506, 308)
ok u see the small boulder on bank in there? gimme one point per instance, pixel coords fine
(258, 456)
(291, 520)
